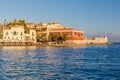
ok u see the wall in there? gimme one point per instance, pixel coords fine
(90, 41)
(10, 33)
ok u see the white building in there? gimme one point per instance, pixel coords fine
(17, 34)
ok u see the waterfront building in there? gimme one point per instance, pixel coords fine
(73, 35)
(14, 33)
(42, 30)
(17, 34)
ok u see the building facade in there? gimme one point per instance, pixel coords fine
(43, 29)
(17, 34)
(73, 36)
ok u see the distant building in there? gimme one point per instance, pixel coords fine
(73, 36)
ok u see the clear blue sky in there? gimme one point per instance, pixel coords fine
(91, 16)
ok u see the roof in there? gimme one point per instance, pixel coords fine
(64, 29)
(6, 28)
(30, 23)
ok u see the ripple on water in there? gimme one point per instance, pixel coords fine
(60, 63)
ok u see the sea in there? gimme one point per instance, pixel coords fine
(93, 62)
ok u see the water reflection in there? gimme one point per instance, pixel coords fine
(29, 63)
(60, 63)
(16, 61)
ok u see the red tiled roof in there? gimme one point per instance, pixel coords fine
(65, 28)
(6, 28)
(62, 29)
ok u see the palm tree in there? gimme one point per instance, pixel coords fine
(22, 22)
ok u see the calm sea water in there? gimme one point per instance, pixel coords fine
(99, 62)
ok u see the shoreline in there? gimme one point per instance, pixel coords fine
(58, 45)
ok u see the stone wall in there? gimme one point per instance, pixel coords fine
(90, 41)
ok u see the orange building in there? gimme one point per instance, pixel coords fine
(72, 35)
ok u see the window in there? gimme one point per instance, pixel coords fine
(6, 33)
(33, 38)
(21, 34)
(14, 33)
(79, 35)
(43, 29)
(8, 37)
(32, 33)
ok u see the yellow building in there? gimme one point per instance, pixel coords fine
(43, 29)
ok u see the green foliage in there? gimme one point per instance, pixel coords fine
(49, 38)
(64, 37)
(11, 24)
(55, 38)
(26, 29)
(22, 22)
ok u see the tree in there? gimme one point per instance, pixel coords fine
(60, 39)
(49, 38)
(11, 24)
(55, 37)
(26, 29)
(64, 37)
(22, 22)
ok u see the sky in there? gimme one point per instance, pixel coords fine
(94, 17)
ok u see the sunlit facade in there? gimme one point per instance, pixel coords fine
(43, 29)
(73, 36)
(17, 34)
